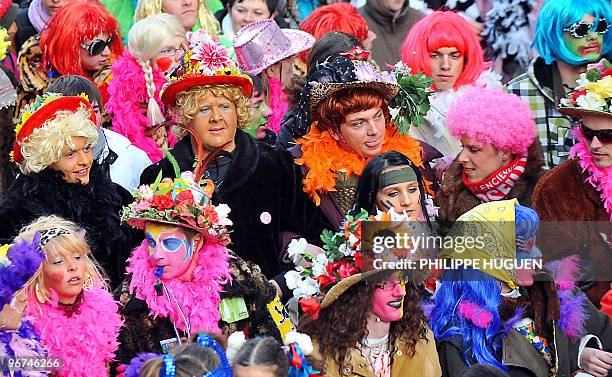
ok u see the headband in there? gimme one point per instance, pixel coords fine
(224, 369)
(49, 234)
(168, 368)
(396, 176)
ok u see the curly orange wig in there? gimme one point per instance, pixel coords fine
(72, 25)
(342, 17)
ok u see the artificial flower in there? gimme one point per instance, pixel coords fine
(4, 260)
(143, 205)
(144, 192)
(318, 264)
(602, 87)
(223, 211)
(302, 340)
(296, 248)
(591, 101)
(162, 202)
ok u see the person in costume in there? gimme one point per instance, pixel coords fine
(33, 19)
(500, 157)
(258, 182)
(568, 35)
(580, 189)
(521, 320)
(8, 31)
(264, 49)
(78, 40)
(183, 279)
(260, 113)
(68, 299)
(443, 45)
(363, 321)
(154, 48)
(53, 149)
(18, 337)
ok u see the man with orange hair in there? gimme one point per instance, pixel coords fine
(444, 46)
(79, 40)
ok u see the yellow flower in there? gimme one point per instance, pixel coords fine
(4, 252)
(602, 87)
(12, 156)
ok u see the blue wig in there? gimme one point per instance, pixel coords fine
(480, 345)
(526, 227)
(555, 16)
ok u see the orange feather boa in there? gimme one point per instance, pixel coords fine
(324, 157)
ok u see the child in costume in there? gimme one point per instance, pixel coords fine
(68, 298)
(18, 337)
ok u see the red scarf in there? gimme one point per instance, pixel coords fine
(498, 184)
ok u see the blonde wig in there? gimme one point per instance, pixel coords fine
(146, 8)
(146, 39)
(70, 241)
(47, 143)
(188, 103)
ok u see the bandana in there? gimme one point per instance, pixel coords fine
(498, 184)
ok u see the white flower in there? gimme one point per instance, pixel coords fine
(592, 101)
(234, 344)
(296, 248)
(302, 340)
(307, 287)
(292, 278)
(346, 250)
(353, 240)
(187, 176)
(222, 211)
(582, 81)
(318, 265)
(144, 192)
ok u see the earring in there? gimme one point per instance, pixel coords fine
(40, 295)
(88, 282)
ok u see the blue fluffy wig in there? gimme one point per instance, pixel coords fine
(555, 16)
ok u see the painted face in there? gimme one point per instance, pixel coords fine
(362, 132)
(260, 113)
(64, 274)
(401, 196)
(170, 54)
(185, 10)
(585, 40)
(388, 300)
(54, 5)
(248, 11)
(76, 162)
(599, 146)
(100, 58)
(216, 122)
(12, 314)
(446, 67)
(169, 248)
(480, 160)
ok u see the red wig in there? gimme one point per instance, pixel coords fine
(332, 111)
(444, 29)
(75, 23)
(342, 17)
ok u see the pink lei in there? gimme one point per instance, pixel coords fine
(87, 340)
(198, 300)
(599, 178)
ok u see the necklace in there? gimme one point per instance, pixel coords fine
(377, 346)
(571, 88)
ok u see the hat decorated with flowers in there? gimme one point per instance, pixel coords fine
(43, 110)
(593, 94)
(18, 263)
(344, 263)
(206, 63)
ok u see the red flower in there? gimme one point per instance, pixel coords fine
(346, 270)
(211, 214)
(607, 72)
(574, 96)
(162, 202)
(357, 53)
(185, 196)
(325, 281)
(357, 257)
(311, 306)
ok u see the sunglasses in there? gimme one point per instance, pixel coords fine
(581, 29)
(97, 46)
(604, 136)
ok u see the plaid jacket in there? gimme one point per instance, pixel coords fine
(553, 127)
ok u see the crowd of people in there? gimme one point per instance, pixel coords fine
(193, 188)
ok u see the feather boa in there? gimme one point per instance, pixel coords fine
(86, 341)
(599, 178)
(278, 104)
(23, 342)
(476, 314)
(199, 298)
(325, 157)
(127, 91)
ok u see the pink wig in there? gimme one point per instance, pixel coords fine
(494, 117)
(72, 25)
(444, 29)
(127, 95)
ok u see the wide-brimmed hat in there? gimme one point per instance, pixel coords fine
(206, 63)
(45, 108)
(592, 95)
(263, 43)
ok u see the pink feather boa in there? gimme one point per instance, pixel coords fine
(86, 341)
(599, 178)
(278, 104)
(479, 316)
(127, 92)
(199, 298)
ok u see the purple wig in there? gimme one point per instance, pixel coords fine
(25, 258)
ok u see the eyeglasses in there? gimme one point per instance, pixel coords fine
(604, 136)
(389, 285)
(97, 46)
(171, 52)
(581, 29)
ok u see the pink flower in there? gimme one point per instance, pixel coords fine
(346, 270)
(212, 56)
(143, 205)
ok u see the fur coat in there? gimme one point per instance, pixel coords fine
(454, 199)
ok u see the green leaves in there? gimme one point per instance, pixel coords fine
(593, 75)
(412, 100)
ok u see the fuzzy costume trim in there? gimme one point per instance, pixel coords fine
(599, 178)
(127, 92)
(23, 342)
(198, 298)
(325, 157)
(85, 341)
(25, 259)
(278, 104)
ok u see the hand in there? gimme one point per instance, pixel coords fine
(440, 168)
(277, 287)
(478, 27)
(596, 362)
